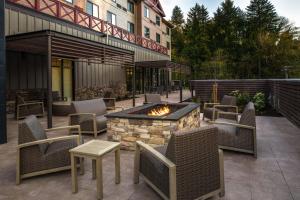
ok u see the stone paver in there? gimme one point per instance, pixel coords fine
(274, 175)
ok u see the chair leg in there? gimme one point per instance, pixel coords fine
(18, 174)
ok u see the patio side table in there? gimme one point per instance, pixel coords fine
(95, 150)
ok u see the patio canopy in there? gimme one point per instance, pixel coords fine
(59, 45)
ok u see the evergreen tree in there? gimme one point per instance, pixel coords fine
(178, 39)
(228, 34)
(263, 22)
(197, 39)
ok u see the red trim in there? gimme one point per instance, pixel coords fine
(73, 14)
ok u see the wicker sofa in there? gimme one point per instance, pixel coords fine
(89, 114)
(228, 104)
(238, 135)
(189, 167)
(37, 154)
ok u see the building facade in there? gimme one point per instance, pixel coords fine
(118, 23)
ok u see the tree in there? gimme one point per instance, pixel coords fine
(177, 35)
(262, 21)
(228, 34)
(197, 40)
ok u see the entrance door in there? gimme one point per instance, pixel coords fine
(62, 78)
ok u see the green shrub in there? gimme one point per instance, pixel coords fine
(259, 101)
(243, 98)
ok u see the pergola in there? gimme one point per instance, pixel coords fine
(58, 45)
(165, 64)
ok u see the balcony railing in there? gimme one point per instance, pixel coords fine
(76, 15)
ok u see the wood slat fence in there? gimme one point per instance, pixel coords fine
(284, 95)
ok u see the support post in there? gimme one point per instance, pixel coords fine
(133, 86)
(49, 84)
(3, 128)
(167, 83)
(180, 90)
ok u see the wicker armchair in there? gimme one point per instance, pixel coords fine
(37, 154)
(241, 135)
(89, 114)
(228, 104)
(26, 108)
(189, 167)
(111, 104)
(153, 98)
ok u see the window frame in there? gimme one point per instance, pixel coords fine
(168, 30)
(129, 27)
(129, 4)
(112, 14)
(159, 37)
(146, 28)
(168, 45)
(157, 19)
(93, 6)
(146, 12)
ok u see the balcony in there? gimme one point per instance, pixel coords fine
(75, 15)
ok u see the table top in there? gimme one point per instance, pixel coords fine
(95, 148)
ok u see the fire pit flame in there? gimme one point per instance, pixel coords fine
(160, 111)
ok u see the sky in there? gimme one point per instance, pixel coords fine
(286, 8)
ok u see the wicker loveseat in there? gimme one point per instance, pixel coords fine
(238, 135)
(189, 167)
(37, 154)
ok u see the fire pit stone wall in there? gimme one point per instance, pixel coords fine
(151, 131)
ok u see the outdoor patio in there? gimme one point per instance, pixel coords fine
(273, 175)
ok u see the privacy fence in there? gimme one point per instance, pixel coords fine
(283, 95)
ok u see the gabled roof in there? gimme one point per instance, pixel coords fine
(156, 5)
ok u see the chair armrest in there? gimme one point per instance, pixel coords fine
(119, 107)
(31, 103)
(49, 140)
(78, 114)
(156, 154)
(226, 106)
(64, 128)
(210, 104)
(233, 124)
(109, 98)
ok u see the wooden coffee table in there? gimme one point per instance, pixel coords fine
(95, 150)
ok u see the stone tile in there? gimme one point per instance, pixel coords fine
(295, 193)
(270, 193)
(273, 175)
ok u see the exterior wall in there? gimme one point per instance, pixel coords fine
(151, 24)
(19, 20)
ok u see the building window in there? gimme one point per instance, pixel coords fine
(130, 6)
(168, 45)
(146, 32)
(92, 9)
(146, 12)
(130, 27)
(111, 18)
(168, 31)
(157, 20)
(157, 38)
(69, 1)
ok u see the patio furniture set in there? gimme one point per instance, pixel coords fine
(175, 170)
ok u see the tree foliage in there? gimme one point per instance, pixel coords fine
(255, 43)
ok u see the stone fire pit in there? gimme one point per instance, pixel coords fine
(136, 123)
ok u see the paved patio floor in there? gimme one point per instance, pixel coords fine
(274, 175)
